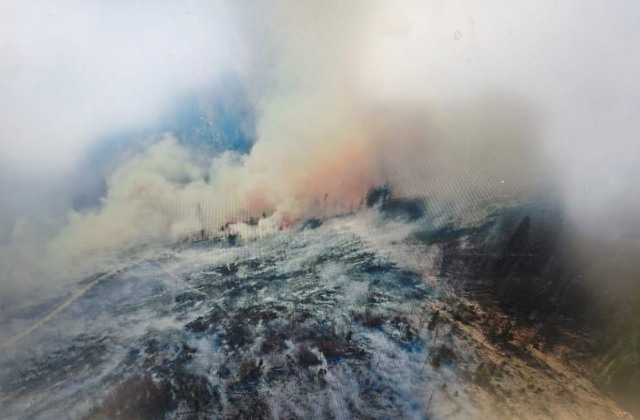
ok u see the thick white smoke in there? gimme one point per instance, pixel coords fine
(455, 101)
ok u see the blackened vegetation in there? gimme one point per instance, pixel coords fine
(464, 313)
(407, 334)
(501, 332)
(278, 326)
(335, 346)
(409, 209)
(161, 383)
(83, 353)
(371, 320)
(311, 224)
(518, 268)
(271, 344)
(236, 334)
(442, 354)
(245, 399)
(516, 263)
(306, 357)
(250, 371)
(516, 260)
(433, 322)
(138, 397)
(206, 322)
(484, 373)
(187, 299)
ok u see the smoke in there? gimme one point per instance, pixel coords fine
(456, 102)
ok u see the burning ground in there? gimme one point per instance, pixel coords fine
(351, 318)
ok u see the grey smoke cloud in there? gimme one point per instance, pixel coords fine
(460, 100)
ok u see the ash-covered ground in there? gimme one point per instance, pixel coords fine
(350, 318)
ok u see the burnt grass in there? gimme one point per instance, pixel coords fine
(266, 344)
(82, 354)
(515, 262)
(442, 354)
(244, 331)
(517, 266)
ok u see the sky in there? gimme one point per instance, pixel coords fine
(461, 99)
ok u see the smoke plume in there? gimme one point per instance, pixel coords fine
(460, 104)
